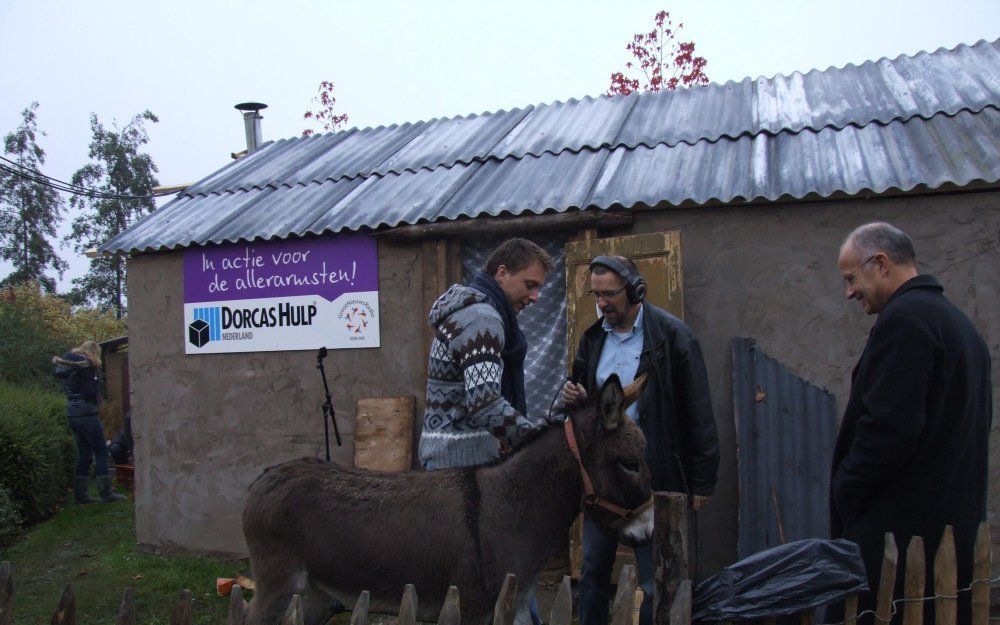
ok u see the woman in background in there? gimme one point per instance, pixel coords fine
(78, 370)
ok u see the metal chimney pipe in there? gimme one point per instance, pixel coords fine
(251, 123)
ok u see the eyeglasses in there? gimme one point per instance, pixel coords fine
(849, 276)
(606, 294)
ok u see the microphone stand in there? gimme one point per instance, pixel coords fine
(328, 410)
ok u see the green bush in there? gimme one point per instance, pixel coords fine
(10, 518)
(35, 326)
(37, 452)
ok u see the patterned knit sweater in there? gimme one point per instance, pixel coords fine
(466, 418)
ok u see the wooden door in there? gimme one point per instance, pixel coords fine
(658, 257)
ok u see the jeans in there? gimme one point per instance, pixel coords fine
(91, 444)
(595, 578)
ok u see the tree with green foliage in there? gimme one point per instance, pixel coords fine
(30, 211)
(125, 177)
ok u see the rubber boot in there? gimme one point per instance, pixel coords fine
(80, 492)
(104, 487)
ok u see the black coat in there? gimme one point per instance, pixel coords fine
(913, 447)
(80, 385)
(675, 409)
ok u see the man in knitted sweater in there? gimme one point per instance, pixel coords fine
(475, 405)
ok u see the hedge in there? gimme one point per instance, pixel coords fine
(37, 454)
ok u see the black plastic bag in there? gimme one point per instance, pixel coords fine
(782, 580)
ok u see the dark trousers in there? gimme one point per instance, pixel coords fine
(599, 551)
(91, 444)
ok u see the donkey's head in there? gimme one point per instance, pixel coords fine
(613, 452)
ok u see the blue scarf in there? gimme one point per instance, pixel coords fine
(515, 346)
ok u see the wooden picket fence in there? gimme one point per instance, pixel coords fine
(672, 598)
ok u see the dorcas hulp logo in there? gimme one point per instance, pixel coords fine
(355, 316)
(230, 323)
(207, 326)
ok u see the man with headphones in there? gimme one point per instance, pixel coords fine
(633, 337)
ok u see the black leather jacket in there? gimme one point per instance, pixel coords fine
(675, 409)
(79, 381)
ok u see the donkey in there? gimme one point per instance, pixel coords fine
(325, 531)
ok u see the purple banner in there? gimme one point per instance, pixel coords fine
(326, 267)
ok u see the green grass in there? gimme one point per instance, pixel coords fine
(93, 547)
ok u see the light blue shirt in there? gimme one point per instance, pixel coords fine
(620, 355)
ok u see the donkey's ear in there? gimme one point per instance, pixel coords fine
(611, 403)
(634, 390)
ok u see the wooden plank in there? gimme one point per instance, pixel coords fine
(6, 593)
(670, 551)
(680, 611)
(65, 614)
(293, 615)
(503, 611)
(562, 607)
(512, 226)
(807, 616)
(621, 610)
(981, 564)
(451, 610)
(126, 611)
(237, 614)
(887, 583)
(851, 610)
(383, 433)
(359, 616)
(182, 609)
(637, 606)
(431, 254)
(914, 582)
(408, 606)
(946, 580)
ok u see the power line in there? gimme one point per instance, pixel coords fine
(66, 187)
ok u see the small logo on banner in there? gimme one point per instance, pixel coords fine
(207, 326)
(355, 316)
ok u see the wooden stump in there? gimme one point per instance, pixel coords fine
(946, 580)
(408, 606)
(621, 611)
(451, 611)
(670, 550)
(66, 612)
(503, 612)
(680, 611)
(182, 610)
(914, 583)
(359, 616)
(562, 607)
(126, 611)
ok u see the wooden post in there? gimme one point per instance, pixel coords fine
(126, 611)
(562, 607)
(680, 611)
(946, 580)
(670, 550)
(408, 606)
(66, 612)
(887, 583)
(851, 610)
(236, 611)
(807, 616)
(182, 610)
(503, 612)
(451, 611)
(981, 564)
(359, 616)
(621, 611)
(6, 593)
(293, 615)
(915, 581)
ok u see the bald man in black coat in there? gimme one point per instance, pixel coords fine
(912, 452)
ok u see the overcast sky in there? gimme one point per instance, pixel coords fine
(392, 62)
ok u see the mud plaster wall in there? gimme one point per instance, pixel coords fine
(770, 272)
(205, 426)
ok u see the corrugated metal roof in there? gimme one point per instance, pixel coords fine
(785, 432)
(925, 120)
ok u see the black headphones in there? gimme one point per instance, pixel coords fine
(635, 286)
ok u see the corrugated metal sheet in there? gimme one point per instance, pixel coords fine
(785, 432)
(925, 120)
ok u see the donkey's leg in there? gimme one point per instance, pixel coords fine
(317, 606)
(276, 580)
